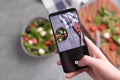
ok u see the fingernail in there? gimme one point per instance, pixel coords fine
(67, 77)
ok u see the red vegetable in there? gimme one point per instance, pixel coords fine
(47, 43)
(93, 28)
(116, 24)
(79, 31)
(113, 47)
(26, 38)
(89, 19)
(110, 39)
(32, 25)
(101, 27)
(118, 32)
(53, 39)
(34, 40)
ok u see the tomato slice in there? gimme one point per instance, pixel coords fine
(89, 19)
(101, 27)
(26, 38)
(32, 26)
(93, 28)
(116, 24)
(113, 47)
(34, 40)
(110, 40)
(118, 32)
(47, 42)
(53, 39)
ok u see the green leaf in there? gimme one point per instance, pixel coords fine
(40, 39)
(47, 26)
(118, 50)
(103, 41)
(115, 38)
(24, 34)
(34, 32)
(26, 44)
(101, 11)
(112, 12)
(35, 22)
(118, 20)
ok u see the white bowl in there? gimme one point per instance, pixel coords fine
(22, 42)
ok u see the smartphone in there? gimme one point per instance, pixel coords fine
(69, 37)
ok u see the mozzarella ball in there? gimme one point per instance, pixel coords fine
(104, 19)
(60, 39)
(30, 42)
(51, 32)
(43, 33)
(40, 29)
(118, 41)
(106, 35)
(41, 51)
(85, 1)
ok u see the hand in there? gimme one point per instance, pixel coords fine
(99, 67)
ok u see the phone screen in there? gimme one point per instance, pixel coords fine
(66, 27)
(69, 37)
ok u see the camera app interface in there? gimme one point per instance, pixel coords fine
(67, 31)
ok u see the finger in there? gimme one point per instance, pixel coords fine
(58, 62)
(93, 50)
(70, 75)
(90, 44)
(87, 61)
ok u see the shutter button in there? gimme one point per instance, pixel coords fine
(76, 62)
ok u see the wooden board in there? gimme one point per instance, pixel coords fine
(92, 10)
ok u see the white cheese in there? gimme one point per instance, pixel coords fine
(51, 32)
(41, 51)
(43, 33)
(118, 41)
(40, 29)
(106, 35)
(30, 42)
(60, 39)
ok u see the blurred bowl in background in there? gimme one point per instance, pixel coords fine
(37, 38)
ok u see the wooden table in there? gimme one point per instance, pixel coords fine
(91, 10)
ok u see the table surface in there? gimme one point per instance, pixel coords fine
(14, 63)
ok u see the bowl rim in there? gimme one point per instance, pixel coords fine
(21, 39)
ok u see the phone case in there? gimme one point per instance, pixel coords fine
(70, 58)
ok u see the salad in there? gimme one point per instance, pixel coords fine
(109, 26)
(61, 34)
(38, 39)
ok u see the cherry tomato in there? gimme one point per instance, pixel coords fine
(93, 28)
(110, 39)
(53, 39)
(32, 26)
(26, 38)
(101, 27)
(47, 43)
(118, 32)
(113, 47)
(34, 40)
(116, 24)
(89, 19)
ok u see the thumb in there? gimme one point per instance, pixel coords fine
(87, 61)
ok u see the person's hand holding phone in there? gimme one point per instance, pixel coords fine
(99, 67)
